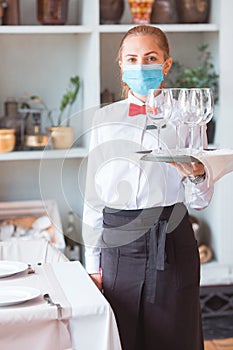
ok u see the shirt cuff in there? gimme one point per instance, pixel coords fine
(197, 179)
(92, 263)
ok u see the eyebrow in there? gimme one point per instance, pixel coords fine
(146, 54)
(149, 53)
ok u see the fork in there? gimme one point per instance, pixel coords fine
(30, 269)
(50, 302)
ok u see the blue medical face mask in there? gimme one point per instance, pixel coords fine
(140, 78)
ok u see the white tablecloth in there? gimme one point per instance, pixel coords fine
(35, 324)
(88, 321)
(93, 325)
(32, 251)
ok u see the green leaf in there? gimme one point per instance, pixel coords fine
(203, 75)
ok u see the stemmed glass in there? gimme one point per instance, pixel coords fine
(208, 112)
(159, 109)
(175, 117)
(190, 104)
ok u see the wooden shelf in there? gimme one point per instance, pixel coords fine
(79, 152)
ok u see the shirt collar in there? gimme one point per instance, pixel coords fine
(134, 99)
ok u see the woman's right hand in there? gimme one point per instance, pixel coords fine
(97, 279)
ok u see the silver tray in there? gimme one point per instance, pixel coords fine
(167, 158)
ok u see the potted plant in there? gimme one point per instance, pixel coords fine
(62, 134)
(202, 76)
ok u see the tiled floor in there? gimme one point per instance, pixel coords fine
(220, 344)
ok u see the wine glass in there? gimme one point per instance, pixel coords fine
(190, 104)
(208, 112)
(159, 109)
(175, 117)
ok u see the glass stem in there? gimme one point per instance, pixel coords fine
(201, 147)
(177, 137)
(158, 133)
(191, 138)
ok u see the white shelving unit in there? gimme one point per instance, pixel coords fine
(78, 152)
(122, 28)
(37, 29)
(40, 59)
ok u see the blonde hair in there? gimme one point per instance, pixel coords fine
(141, 30)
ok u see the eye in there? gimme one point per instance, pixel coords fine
(131, 60)
(151, 59)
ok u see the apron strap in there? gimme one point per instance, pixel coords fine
(156, 256)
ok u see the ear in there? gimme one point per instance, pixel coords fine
(167, 66)
(120, 64)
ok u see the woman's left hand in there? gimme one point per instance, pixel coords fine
(97, 279)
(189, 169)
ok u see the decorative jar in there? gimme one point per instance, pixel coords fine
(111, 11)
(13, 120)
(11, 14)
(52, 11)
(7, 140)
(193, 11)
(141, 11)
(164, 11)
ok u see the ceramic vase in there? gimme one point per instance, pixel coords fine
(52, 11)
(111, 11)
(62, 137)
(11, 15)
(193, 11)
(164, 11)
(141, 11)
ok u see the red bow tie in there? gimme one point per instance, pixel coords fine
(136, 109)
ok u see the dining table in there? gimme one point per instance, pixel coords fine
(54, 306)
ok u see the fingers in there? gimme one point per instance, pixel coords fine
(189, 169)
(97, 279)
(198, 169)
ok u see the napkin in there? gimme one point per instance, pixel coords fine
(217, 163)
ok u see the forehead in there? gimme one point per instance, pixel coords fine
(141, 44)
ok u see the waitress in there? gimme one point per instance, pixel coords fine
(136, 227)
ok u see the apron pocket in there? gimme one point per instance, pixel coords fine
(109, 265)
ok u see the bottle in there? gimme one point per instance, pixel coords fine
(73, 248)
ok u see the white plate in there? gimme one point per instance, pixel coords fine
(8, 268)
(17, 294)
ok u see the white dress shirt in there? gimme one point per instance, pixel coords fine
(115, 178)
